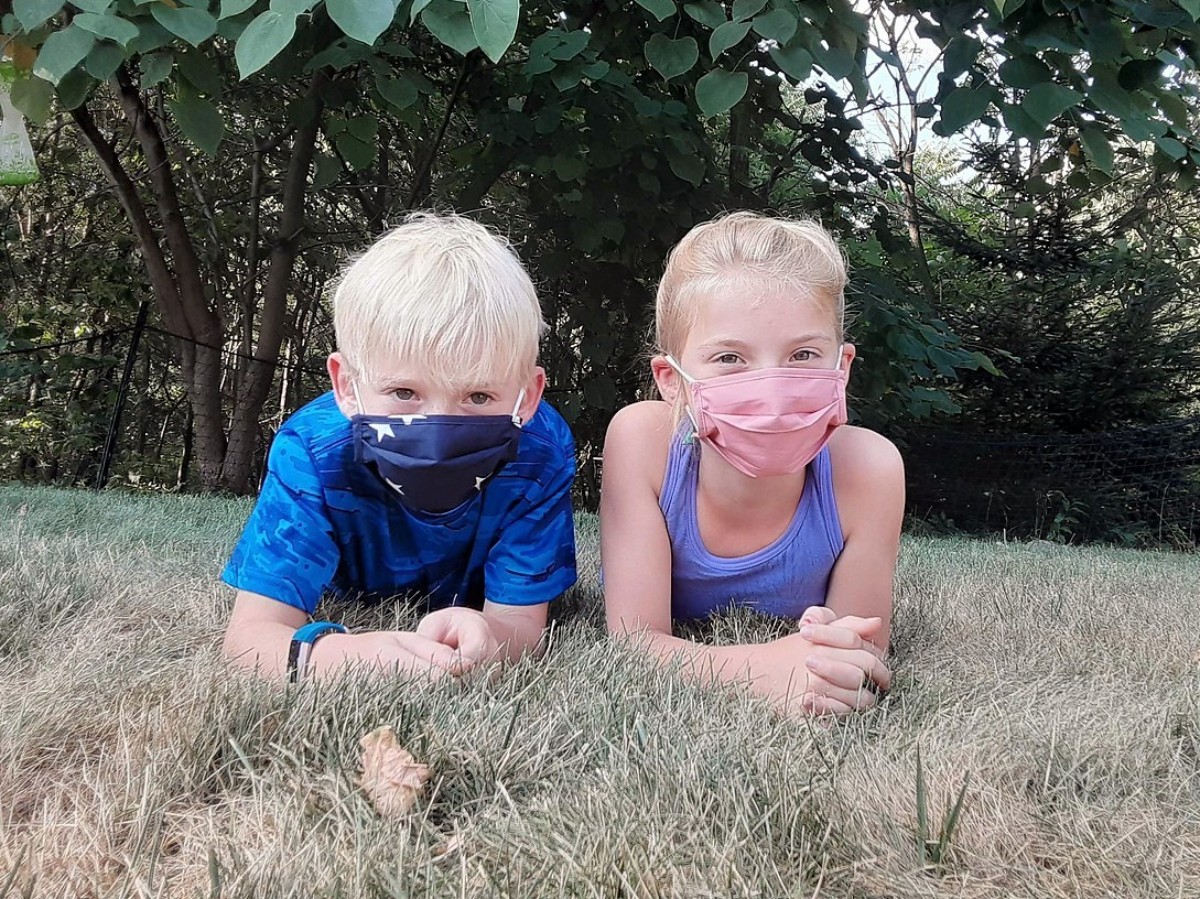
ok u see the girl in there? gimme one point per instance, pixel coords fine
(744, 486)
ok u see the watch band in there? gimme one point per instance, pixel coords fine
(303, 641)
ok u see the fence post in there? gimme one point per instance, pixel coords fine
(114, 422)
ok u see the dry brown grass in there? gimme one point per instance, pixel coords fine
(1061, 681)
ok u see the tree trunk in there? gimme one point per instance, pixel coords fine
(260, 372)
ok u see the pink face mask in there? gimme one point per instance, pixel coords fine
(768, 422)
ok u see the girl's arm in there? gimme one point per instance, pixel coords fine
(636, 555)
(868, 480)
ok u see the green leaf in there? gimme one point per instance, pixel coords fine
(201, 70)
(1022, 124)
(777, 25)
(660, 9)
(110, 27)
(719, 91)
(62, 51)
(74, 88)
(359, 153)
(192, 25)
(32, 13)
(199, 120)
(494, 23)
(262, 41)
(1098, 149)
(727, 36)
(1046, 102)
(962, 106)
(156, 67)
(570, 45)
(1024, 71)
(399, 93)
(1007, 7)
(836, 62)
(686, 166)
(363, 20)
(450, 23)
(706, 12)
(96, 6)
(794, 61)
(105, 58)
(746, 9)
(1192, 8)
(671, 58)
(231, 8)
(1175, 109)
(1170, 146)
(31, 97)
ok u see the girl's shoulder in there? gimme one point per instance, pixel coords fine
(638, 442)
(860, 456)
(868, 475)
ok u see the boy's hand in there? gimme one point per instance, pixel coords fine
(393, 651)
(463, 631)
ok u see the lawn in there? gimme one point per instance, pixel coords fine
(1054, 689)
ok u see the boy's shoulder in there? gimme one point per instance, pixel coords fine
(547, 435)
(319, 426)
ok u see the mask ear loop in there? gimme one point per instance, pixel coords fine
(516, 418)
(688, 380)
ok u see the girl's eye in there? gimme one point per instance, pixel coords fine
(404, 394)
(803, 356)
(479, 399)
(728, 359)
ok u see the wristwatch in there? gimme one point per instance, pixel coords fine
(302, 643)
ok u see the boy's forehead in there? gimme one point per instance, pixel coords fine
(412, 373)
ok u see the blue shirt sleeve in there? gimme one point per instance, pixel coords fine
(287, 550)
(534, 559)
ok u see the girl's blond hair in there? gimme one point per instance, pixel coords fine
(746, 248)
(444, 292)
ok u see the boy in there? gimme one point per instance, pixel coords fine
(432, 467)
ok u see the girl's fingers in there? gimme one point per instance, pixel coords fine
(834, 635)
(850, 670)
(818, 615)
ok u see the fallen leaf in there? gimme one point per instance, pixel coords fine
(391, 777)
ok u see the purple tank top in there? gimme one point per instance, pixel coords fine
(783, 578)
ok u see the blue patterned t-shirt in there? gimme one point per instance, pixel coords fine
(326, 522)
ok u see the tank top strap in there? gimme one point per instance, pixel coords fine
(676, 497)
(823, 499)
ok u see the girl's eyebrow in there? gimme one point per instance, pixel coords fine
(734, 343)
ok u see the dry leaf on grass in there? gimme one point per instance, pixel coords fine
(390, 777)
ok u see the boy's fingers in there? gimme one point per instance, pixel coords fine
(435, 653)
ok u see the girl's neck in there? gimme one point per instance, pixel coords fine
(733, 493)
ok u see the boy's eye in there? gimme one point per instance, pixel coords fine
(404, 394)
(479, 398)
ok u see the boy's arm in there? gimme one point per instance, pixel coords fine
(259, 636)
(499, 633)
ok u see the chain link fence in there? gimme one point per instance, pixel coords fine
(111, 409)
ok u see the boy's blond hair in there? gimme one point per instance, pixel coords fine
(445, 292)
(746, 248)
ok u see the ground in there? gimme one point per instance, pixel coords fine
(1053, 688)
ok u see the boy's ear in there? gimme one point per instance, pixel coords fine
(342, 377)
(534, 388)
(666, 378)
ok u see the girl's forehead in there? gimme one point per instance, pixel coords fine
(755, 309)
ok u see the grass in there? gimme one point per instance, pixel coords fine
(1048, 693)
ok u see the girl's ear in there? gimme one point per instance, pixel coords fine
(666, 378)
(848, 355)
(342, 377)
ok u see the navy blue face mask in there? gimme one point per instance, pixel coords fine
(435, 463)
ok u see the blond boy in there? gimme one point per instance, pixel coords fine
(431, 469)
